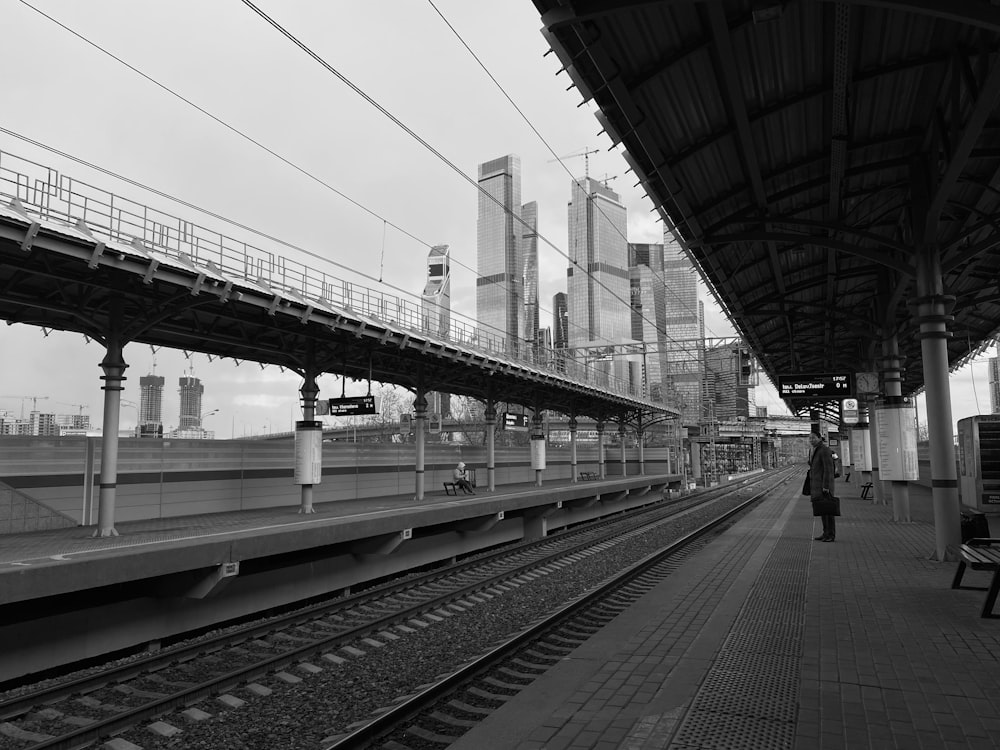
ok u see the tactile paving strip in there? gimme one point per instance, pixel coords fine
(749, 697)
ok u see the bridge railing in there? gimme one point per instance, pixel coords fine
(50, 194)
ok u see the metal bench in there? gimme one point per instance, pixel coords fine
(980, 554)
(450, 488)
(588, 475)
(866, 489)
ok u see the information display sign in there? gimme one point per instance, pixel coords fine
(849, 410)
(861, 449)
(816, 385)
(896, 427)
(349, 406)
(515, 421)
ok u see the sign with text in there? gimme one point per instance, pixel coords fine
(849, 410)
(515, 421)
(815, 385)
(348, 406)
(896, 426)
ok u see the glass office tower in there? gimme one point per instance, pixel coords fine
(684, 330)
(435, 312)
(499, 259)
(529, 250)
(598, 281)
(649, 315)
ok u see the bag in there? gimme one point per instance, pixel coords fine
(829, 505)
(806, 485)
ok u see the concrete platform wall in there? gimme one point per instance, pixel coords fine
(47, 477)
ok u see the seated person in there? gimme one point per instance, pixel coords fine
(462, 479)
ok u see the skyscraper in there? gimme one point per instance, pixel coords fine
(529, 251)
(598, 280)
(151, 406)
(435, 309)
(727, 392)
(435, 301)
(499, 260)
(560, 321)
(683, 330)
(191, 391)
(649, 315)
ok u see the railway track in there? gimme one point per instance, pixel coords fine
(132, 699)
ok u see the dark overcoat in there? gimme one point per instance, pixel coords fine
(820, 471)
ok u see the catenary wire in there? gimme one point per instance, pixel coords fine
(281, 158)
(541, 138)
(238, 132)
(364, 95)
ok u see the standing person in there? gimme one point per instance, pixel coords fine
(462, 479)
(821, 473)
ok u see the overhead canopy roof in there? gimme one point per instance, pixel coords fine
(802, 152)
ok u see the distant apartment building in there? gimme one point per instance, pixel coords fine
(151, 406)
(191, 391)
(499, 258)
(42, 425)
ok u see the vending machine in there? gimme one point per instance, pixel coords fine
(979, 462)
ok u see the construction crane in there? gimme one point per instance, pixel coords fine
(586, 159)
(34, 402)
(81, 407)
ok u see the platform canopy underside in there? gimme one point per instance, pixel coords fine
(808, 155)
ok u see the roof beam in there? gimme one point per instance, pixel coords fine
(971, 12)
(984, 106)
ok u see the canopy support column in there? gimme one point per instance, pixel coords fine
(932, 305)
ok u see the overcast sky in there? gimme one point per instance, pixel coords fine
(401, 198)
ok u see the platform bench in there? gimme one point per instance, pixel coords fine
(980, 554)
(866, 489)
(450, 488)
(588, 475)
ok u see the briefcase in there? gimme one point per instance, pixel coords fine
(829, 505)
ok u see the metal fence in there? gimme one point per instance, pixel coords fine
(49, 194)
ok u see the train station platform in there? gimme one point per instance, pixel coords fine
(768, 639)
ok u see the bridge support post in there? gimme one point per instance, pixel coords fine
(309, 391)
(600, 450)
(621, 444)
(932, 305)
(639, 437)
(491, 424)
(537, 443)
(573, 424)
(420, 419)
(114, 368)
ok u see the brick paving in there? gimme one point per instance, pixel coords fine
(768, 639)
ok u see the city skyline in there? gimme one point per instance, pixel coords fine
(333, 194)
